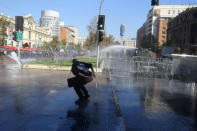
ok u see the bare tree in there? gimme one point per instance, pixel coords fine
(92, 37)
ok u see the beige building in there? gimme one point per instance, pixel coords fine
(182, 30)
(162, 11)
(69, 33)
(81, 41)
(72, 34)
(33, 34)
(130, 42)
(158, 15)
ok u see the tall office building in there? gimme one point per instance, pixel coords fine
(69, 33)
(157, 20)
(50, 18)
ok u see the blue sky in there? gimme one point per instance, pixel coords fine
(79, 12)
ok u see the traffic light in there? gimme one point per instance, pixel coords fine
(101, 36)
(101, 22)
(136, 51)
(155, 2)
(14, 36)
(19, 23)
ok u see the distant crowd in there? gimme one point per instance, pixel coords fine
(27, 53)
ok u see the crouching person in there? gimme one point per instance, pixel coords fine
(82, 76)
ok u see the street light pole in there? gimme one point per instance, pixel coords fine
(98, 46)
(19, 53)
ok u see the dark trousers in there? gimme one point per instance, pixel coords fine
(81, 91)
(78, 84)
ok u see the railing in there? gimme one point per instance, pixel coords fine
(138, 65)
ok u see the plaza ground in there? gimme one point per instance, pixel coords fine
(40, 100)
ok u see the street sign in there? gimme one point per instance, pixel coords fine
(10, 37)
(19, 36)
(10, 24)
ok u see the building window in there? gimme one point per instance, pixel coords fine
(35, 36)
(178, 11)
(173, 11)
(164, 27)
(163, 37)
(169, 11)
(163, 32)
(164, 23)
(29, 35)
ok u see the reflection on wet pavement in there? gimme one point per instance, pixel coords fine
(157, 104)
(40, 100)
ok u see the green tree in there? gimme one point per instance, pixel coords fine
(150, 42)
(173, 44)
(3, 31)
(45, 45)
(93, 36)
(55, 44)
(110, 40)
(92, 30)
(63, 42)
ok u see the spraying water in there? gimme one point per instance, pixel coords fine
(184, 66)
(116, 59)
(124, 61)
(13, 56)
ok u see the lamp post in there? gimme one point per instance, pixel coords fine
(98, 47)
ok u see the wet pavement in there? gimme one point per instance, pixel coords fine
(157, 104)
(39, 100)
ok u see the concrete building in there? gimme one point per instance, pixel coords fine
(141, 32)
(162, 30)
(69, 33)
(81, 41)
(130, 42)
(156, 17)
(50, 18)
(33, 34)
(63, 33)
(10, 30)
(183, 30)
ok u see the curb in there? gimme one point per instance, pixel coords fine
(48, 67)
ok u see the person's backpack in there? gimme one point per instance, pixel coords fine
(80, 68)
